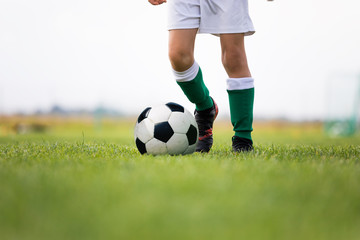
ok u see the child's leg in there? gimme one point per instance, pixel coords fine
(187, 72)
(189, 77)
(240, 83)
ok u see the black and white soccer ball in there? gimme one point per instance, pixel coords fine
(166, 129)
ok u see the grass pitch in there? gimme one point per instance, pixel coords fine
(86, 180)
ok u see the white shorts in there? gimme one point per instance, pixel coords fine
(210, 16)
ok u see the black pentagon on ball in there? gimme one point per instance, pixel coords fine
(140, 146)
(144, 114)
(192, 135)
(163, 131)
(174, 107)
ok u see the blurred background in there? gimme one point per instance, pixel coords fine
(95, 60)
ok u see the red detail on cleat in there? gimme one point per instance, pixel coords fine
(208, 134)
(216, 110)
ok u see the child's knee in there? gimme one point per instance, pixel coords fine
(234, 61)
(181, 60)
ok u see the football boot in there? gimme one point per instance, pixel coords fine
(205, 120)
(241, 144)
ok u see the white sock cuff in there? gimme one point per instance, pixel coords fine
(240, 83)
(187, 75)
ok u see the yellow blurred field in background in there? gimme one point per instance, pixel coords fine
(120, 130)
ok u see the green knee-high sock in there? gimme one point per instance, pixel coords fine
(241, 111)
(196, 91)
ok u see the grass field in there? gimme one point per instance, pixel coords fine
(84, 180)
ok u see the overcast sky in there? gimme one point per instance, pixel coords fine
(86, 53)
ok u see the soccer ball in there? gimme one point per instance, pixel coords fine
(166, 129)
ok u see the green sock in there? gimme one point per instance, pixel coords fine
(241, 111)
(196, 91)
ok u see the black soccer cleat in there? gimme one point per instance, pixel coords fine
(241, 144)
(205, 120)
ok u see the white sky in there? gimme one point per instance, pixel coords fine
(82, 53)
